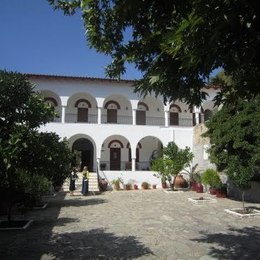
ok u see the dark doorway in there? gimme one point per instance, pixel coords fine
(82, 114)
(86, 157)
(140, 117)
(86, 151)
(115, 159)
(174, 118)
(112, 116)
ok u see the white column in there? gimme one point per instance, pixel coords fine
(133, 164)
(98, 164)
(63, 113)
(197, 111)
(197, 120)
(99, 115)
(134, 116)
(166, 118)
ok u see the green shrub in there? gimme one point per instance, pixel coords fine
(211, 177)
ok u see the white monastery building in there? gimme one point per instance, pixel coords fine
(116, 132)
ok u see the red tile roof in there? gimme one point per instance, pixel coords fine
(77, 78)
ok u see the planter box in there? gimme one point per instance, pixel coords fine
(40, 206)
(49, 195)
(171, 191)
(202, 200)
(238, 212)
(15, 224)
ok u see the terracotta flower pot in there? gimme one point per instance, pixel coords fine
(199, 188)
(221, 193)
(128, 186)
(193, 185)
(164, 185)
(212, 191)
(180, 182)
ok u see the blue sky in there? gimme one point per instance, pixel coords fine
(36, 39)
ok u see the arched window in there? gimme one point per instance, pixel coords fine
(82, 107)
(174, 114)
(141, 113)
(112, 107)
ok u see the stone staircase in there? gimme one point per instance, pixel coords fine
(92, 184)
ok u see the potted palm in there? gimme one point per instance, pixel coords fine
(194, 176)
(116, 183)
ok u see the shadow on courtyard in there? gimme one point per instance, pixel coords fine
(96, 244)
(93, 244)
(235, 244)
(78, 202)
(40, 242)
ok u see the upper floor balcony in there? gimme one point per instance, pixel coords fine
(169, 119)
(122, 107)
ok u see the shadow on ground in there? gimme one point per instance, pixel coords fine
(77, 202)
(40, 242)
(93, 244)
(236, 244)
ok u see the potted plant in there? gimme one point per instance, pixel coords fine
(172, 161)
(159, 166)
(102, 184)
(199, 186)
(145, 185)
(116, 183)
(194, 176)
(211, 177)
(128, 186)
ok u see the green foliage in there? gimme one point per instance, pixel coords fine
(175, 44)
(211, 177)
(234, 134)
(172, 161)
(163, 167)
(23, 150)
(194, 174)
(117, 181)
(180, 158)
(34, 186)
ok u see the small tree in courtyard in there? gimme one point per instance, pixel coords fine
(234, 134)
(172, 161)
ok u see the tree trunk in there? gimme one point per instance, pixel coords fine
(243, 201)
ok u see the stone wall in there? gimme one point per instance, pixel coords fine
(251, 195)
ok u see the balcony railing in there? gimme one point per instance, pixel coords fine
(125, 166)
(184, 120)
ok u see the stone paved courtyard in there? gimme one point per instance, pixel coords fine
(143, 224)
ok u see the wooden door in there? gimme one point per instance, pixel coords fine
(112, 116)
(115, 159)
(174, 118)
(82, 114)
(140, 117)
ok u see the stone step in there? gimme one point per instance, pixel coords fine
(93, 183)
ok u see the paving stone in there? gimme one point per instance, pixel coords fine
(133, 225)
